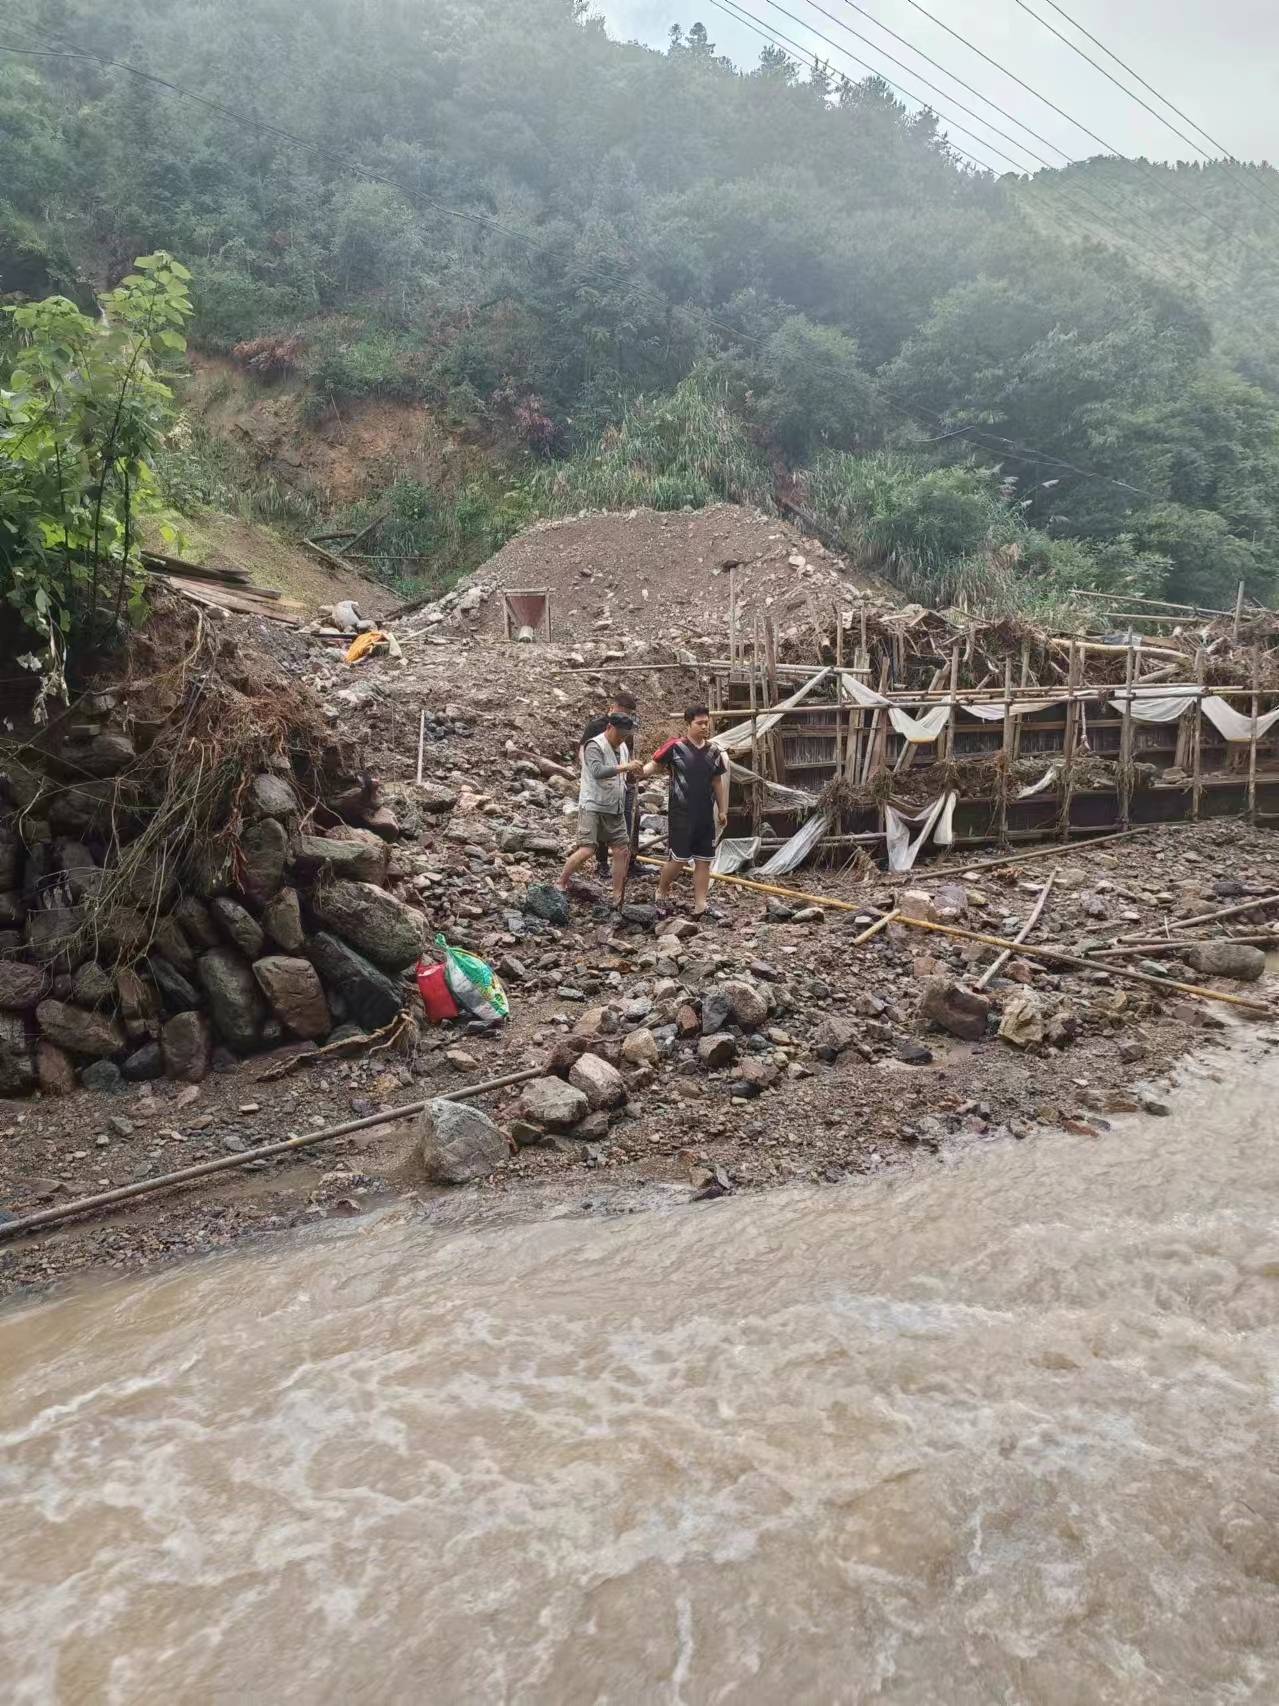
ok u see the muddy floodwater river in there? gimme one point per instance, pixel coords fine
(1001, 1430)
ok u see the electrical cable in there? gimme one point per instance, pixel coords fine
(1061, 111)
(1090, 219)
(1253, 189)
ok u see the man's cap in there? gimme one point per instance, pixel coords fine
(621, 720)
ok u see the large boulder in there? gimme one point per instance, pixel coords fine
(601, 1084)
(459, 1143)
(834, 1034)
(736, 999)
(240, 928)
(282, 921)
(272, 796)
(371, 998)
(235, 1003)
(187, 1046)
(954, 1008)
(17, 1069)
(553, 1103)
(78, 1030)
(390, 933)
(170, 940)
(264, 847)
(546, 901)
(337, 856)
(1227, 959)
(296, 995)
(56, 937)
(21, 986)
(144, 1063)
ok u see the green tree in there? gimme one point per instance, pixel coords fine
(82, 412)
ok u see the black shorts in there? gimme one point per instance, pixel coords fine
(691, 840)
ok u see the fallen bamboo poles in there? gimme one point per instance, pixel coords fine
(202, 1169)
(786, 894)
(1003, 958)
(1218, 917)
(1055, 956)
(1054, 850)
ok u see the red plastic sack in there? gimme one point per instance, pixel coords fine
(436, 995)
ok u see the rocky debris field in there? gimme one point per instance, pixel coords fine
(691, 1059)
(630, 581)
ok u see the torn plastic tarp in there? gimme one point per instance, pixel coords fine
(734, 739)
(733, 853)
(788, 796)
(936, 821)
(792, 853)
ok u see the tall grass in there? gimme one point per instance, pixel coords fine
(681, 451)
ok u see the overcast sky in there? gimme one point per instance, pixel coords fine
(1218, 60)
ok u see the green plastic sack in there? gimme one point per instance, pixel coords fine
(473, 983)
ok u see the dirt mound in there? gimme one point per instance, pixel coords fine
(664, 577)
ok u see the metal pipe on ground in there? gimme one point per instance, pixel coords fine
(202, 1169)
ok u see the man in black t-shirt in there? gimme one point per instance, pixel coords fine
(620, 705)
(698, 773)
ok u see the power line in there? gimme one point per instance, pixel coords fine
(1061, 111)
(929, 417)
(985, 142)
(1092, 193)
(1253, 189)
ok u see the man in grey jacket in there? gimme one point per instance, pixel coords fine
(601, 801)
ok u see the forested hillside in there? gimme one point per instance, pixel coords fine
(643, 277)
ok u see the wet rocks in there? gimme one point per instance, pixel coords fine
(282, 921)
(601, 1084)
(234, 1001)
(186, 1045)
(144, 1063)
(543, 900)
(553, 1104)
(264, 847)
(459, 1143)
(21, 986)
(369, 995)
(79, 1030)
(391, 933)
(295, 993)
(955, 1009)
(17, 1070)
(1236, 960)
(239, 927)
(178, 992)
(355, 859)
(55, 1070)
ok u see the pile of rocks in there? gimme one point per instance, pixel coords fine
(111, 973)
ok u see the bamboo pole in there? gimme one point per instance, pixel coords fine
(1055, 956)
(756, 801)
(1252, 737)
(1007, 751)
(1196, 740)
(873, 929)
(1234, 631)
(732, 620)
(954, 689)
(202, 1169)
(1125, 745)
(421, 746)
(1052, 851)
(1068, 744)
(1176, 943)
(1217, 917)
(1022, 934)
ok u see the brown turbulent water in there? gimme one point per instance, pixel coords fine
(1002, 1431)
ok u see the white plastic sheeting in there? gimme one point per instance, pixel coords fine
(922, 731)
(936, 821)
(1165, 707)
(792, 853)
(732, 853)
